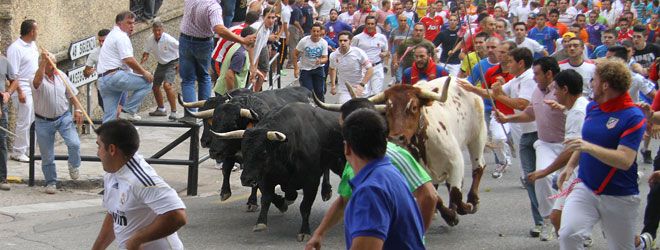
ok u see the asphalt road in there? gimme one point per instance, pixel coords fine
(502, 222)
(71, 219)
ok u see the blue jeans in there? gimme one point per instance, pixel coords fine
(228, 7)
(528, 163)
(3, 143)
(112, 87)
(314, 80)
(194, 62)
(46, 140)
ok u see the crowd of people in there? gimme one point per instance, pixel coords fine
(568, 86)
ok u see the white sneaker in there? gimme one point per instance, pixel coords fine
(20, 158)
(499, 170)
(51, 189)
(4, 185)
(588, 242)
(74, 172)
(535, 231)
(647, 241)
(218, 165)
(130, 117)
(640, 175)
(547, 231)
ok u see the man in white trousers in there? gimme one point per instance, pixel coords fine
(23, 55)
(354, 66)
(550, 129)
(375, 45)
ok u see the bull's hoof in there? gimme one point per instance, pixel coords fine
(225, 195)
(326, 197)
(260, 227)
(474, 209)
(283, 207)
(451, 219)
(289, 202)
(252, 208)
(303, 237)
(464, 209)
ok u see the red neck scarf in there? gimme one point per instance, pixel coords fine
(429, 71)
(371, 34)
(620, 102)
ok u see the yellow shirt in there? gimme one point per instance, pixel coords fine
(469, 62)
(421, 8)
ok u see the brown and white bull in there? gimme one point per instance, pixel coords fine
(435, 120)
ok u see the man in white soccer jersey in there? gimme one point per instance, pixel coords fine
(143, 211)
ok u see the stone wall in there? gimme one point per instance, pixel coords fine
(61, 22)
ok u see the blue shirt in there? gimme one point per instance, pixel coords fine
(475, 78)
(439, 72)
(599, 52)
(394, 23)
(545, 37)
(609, 125)
(383, 207)
(332, 29)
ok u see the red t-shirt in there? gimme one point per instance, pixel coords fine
(625, 35)
(433, 25)
(491, 77)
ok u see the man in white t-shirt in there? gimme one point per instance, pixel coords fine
(313, 53)
(576, 61)
(261, 57)
(323, 7)
(285, 17)
(375, 45)
(521, 39)
(568, 91)
(354, 65)
(166, 50)
(119, 71)
(144, 212)
(347, 15)
(639, 83)
(23, 56)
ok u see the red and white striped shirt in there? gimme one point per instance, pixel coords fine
(223, 45)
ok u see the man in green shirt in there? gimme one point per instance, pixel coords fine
(418, 180)
(235, 66)
(404, 56)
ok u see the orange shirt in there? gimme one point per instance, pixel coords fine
(584, 36)
(561, 28)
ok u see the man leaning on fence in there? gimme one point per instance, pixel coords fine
(51, 109)
(118, 71)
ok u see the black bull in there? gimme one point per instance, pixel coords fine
(293, 147)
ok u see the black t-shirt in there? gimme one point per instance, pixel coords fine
(646, 56)
(448, 40)
(308, 14)
(239, 12)
(296, 15)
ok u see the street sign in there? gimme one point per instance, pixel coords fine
(82, 48)
(78, 79)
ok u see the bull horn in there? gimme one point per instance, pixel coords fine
(197, 104)
(275, 136)
(246, 113)
(351, 91)
(202, 114)
(236, 134)
(326, 106)
(381, 108)
(378, 98)
(435, 96)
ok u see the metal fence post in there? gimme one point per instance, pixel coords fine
(31, 164)
(193, 169)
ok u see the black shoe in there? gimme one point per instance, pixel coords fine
(646, 154)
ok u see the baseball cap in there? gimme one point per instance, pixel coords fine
(568, 35)
(531, 15)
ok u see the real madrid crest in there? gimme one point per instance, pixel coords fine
(122, 198)
(611, 123)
